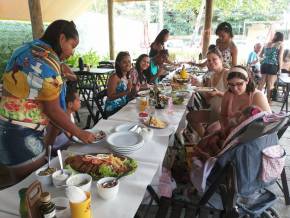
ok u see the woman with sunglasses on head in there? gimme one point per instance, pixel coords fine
(120, 88)
(272, 55)
(226, 45)
(217, 80)
(32, 84)
(240, 95)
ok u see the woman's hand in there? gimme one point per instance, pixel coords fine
(86, 137)
(129, 86)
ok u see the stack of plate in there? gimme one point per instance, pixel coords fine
(125, 142)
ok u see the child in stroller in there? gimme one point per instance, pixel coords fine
(245, 150)
(212, 143)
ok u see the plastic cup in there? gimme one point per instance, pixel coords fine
(82, 209)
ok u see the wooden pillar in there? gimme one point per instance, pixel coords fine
(36, 18)
(111, 28)
(207, 26)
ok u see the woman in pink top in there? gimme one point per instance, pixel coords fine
(241, 94)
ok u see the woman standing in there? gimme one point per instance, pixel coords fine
(120, 86)
(240, 95)
(272, 55)
(158, 43)
(218, 81)
(226, 45)
(31, 87)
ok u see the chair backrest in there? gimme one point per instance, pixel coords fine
(106, 64)
(99, 99)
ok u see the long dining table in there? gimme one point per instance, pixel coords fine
(132, 187)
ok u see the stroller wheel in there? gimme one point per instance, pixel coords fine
(266, 214)
(270, 213)
(273, 212)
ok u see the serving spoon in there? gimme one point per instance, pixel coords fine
(60, 160)
(114, 181)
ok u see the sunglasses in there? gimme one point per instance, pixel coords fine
(238, 84)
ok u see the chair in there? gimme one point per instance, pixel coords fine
(284, 187)
(87, 86)
(106, 64)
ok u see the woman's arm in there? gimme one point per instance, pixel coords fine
(224, 107)
(234, 53)
(161, 72)
(59, 118)
(112, 85)
(281, 51)
(261, 101)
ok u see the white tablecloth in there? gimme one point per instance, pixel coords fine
(132, 187)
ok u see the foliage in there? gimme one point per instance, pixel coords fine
(13, 35)
(91, 58)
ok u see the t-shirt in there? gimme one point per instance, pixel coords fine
(153, 70)
(32, 75)
(253, 56)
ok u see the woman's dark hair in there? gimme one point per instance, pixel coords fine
(71, 91)
(211, 47)
(121, 55)
(215, 51)
(278, 37)
(55, 29)
(226, 27)
(161, 35)
(138, 67)
(251, 84)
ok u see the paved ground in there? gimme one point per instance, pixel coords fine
(283, 210)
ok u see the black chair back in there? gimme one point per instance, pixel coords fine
(106, 64)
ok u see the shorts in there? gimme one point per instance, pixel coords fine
(269, 69)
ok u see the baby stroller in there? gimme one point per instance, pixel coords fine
(233, 184)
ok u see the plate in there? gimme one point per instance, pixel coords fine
(204, 89)
(124, 127)
(100, 165)
(156, 123)
(125, 142)
(99, 133)
(144, 93)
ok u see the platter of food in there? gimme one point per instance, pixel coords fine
(101, 165)
(154, 122)
(98, 133)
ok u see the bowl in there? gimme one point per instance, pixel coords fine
(44, 179)
(107, 193)
(59, 179)
(82, 180)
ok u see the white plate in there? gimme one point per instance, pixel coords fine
(144, 93)
(125, 141)
(93, 131)
(124, 127)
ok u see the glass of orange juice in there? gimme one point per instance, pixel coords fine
(143, 103)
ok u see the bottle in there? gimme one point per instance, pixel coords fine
(200, 56)
(22, 207)
(47, 208)
(183, 73)
(81, 64)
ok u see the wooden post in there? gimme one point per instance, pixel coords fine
(207, 26)
(36, 18)
(111, 28)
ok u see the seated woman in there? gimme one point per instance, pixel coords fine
(212, 144)
(156, 70)
(119, 84)
(217, 80)
(137, 75)
(73, 104)
(240, 95)
(285, 68)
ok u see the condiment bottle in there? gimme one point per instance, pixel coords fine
(47, 208)
(22, 207)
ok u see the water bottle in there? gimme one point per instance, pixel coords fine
(81, 64)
